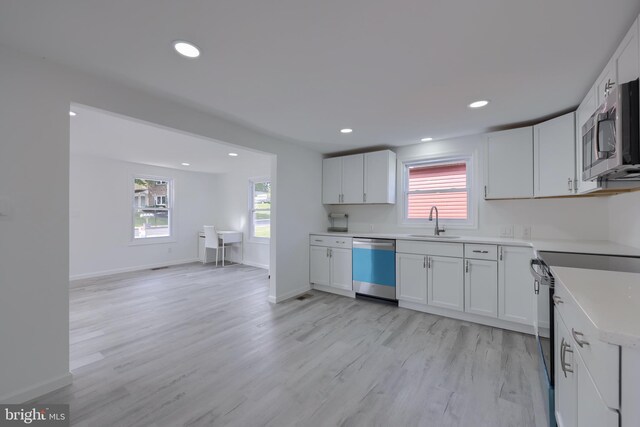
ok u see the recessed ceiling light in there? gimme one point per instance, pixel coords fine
(478, 104)
(346, 130)
(185, 164)
(426, 139)
(233, 154)
(186, 49)
(72, 113)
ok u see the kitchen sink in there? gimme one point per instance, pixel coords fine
(433, 236)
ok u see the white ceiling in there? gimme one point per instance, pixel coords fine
(395, 71)
(96, 133)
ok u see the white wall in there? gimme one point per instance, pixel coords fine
(100, 216)
(232, 211)
(548, 218)
(34, 196)
(624, 218)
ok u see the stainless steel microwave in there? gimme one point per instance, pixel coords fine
(610, 142)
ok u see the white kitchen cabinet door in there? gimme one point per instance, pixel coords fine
(554, 156)
(411, 278)
(481, 287)
(319, 265)
(592, 410)
(508, 172)
(353, 179)
(515, 285)
(341, 269)
(583, 113)
(332, 181)
(566, 393)
(627, 56)
(606, 81)
(380, 177)
(445, 282)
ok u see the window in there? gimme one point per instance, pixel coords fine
(443, 183)
(151, 208)
(260, 209)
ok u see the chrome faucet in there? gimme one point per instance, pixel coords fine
(437, 230)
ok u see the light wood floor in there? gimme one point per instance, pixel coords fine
(194, 345)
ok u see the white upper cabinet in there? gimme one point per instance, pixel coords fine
(353, 179)
(584, 111)
(554, 157)
(627, 57)
(380, 177)
(359, 178)
(508, 172)
(332, 181)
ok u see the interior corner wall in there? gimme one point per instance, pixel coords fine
(624, 219)
(34, 202)
(101, 216)
(232, 209)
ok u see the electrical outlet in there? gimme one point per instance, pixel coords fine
(526, 232)
(506, 231)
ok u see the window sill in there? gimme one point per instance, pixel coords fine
(152, 241)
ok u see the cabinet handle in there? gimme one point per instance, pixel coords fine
(570, 184)
(330, 253)
(480, 252)
(564, 349)
(485, 191)
(536, 287)
(557, 300)
(466, 268)
(327, 253)
(364, 197)
(580, 342)
(428, 262)
(500, 253)
(424, 262)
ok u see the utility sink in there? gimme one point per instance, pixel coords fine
(433, 236)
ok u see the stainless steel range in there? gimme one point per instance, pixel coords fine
(544, 284)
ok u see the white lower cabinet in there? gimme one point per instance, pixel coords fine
(577, 399)
(481, 287)
(341, 268)
(515, 285)
(330, 262)
(319, 265)
(411, 278)
(445, 282)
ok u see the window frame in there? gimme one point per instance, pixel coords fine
(252, 210)
(170, 208)
(472, 204)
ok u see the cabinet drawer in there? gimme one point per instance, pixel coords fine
(331, 241)
(430, 248)
(601, 359)
(489, 252)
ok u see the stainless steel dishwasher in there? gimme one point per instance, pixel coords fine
(374, 267)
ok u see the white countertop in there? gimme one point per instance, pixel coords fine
(575, 246)
(610, 299)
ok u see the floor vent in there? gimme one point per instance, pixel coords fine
(304, 297)
(159, 268)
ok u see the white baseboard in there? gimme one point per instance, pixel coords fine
(130, 269)
(468, 317)
(292, 294)
(255, 264)
(37, 390)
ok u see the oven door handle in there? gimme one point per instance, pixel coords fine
(534, 272)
